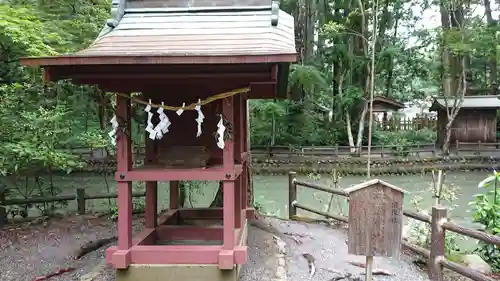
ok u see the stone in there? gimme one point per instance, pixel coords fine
(475, 262)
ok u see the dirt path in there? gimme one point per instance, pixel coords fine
(328, 247)
(30, 251)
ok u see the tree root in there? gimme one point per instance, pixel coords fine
(57, 273)
(375, 271)
(92, 246)
(311, 263)
(267, 227)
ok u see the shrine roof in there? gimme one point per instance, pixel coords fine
(173, 35)
(469, 102)
(369, 183)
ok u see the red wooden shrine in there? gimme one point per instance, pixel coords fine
(176, 56)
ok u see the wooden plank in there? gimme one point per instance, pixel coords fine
(131, 59)
(375, 221)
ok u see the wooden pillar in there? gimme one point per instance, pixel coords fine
(238, 150)
(237, 202)
(124, 188)
(437, 253)
(246, 147)
(174, 195)
(151, 187)
(226, 257)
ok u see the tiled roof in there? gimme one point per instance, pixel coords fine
(196, 3)
(197, 33)
(469, 102)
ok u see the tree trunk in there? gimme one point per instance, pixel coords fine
(218, 200)
(182, 194)
(493, 53)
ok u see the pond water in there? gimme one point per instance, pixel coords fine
(271, 192)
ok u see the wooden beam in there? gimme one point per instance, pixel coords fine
(119, 60)
(165, 76)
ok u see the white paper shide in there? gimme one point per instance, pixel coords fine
(220, 133)
(200, 118)
(112, 133)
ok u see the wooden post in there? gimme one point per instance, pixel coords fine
(226, 256)
(80, 200)
(3, 208)
(151, 209)
(369, 268)
(124, 188)
(382, 151)
(292, 195)
(439, 214)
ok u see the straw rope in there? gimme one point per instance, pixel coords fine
(191, 106)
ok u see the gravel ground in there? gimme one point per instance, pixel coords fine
(30, 251)
(327, 245)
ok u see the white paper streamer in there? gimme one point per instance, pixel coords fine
(200, 117)
(162, 128)
(150, 126)
(112, 133)
(220, 132)
(180, 110)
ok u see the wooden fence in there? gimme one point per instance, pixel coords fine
(79, 196)
(353, 151)
(436, 259)
(477, 148)
(405, 124)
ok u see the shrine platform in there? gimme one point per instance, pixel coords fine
(183, 237)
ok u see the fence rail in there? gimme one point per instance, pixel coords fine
(477, 147)
(439, 225)
(339, 150)
(382, 151)
(79, 196)
(405, 124)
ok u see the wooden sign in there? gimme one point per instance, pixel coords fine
(375, 219)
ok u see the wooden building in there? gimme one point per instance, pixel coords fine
(476, 120)
(213, 56)
(384, 105)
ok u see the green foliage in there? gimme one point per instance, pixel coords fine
(420, 232)
(487, 213)
(308, 78)
(402, 141)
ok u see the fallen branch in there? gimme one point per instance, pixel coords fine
(92, 246)
(267, 227)
(376, 271)
(298, 235)
(310, 263)
(57, 273)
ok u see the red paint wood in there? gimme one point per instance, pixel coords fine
(237, 202)
(151, 209)
(162, 174)
(189, 232)
(229, 212)
(124, 189)
(228, 152)
(201, 213)
(133, 60)
(193, 254)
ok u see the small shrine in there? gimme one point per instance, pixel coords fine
(192, 67)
